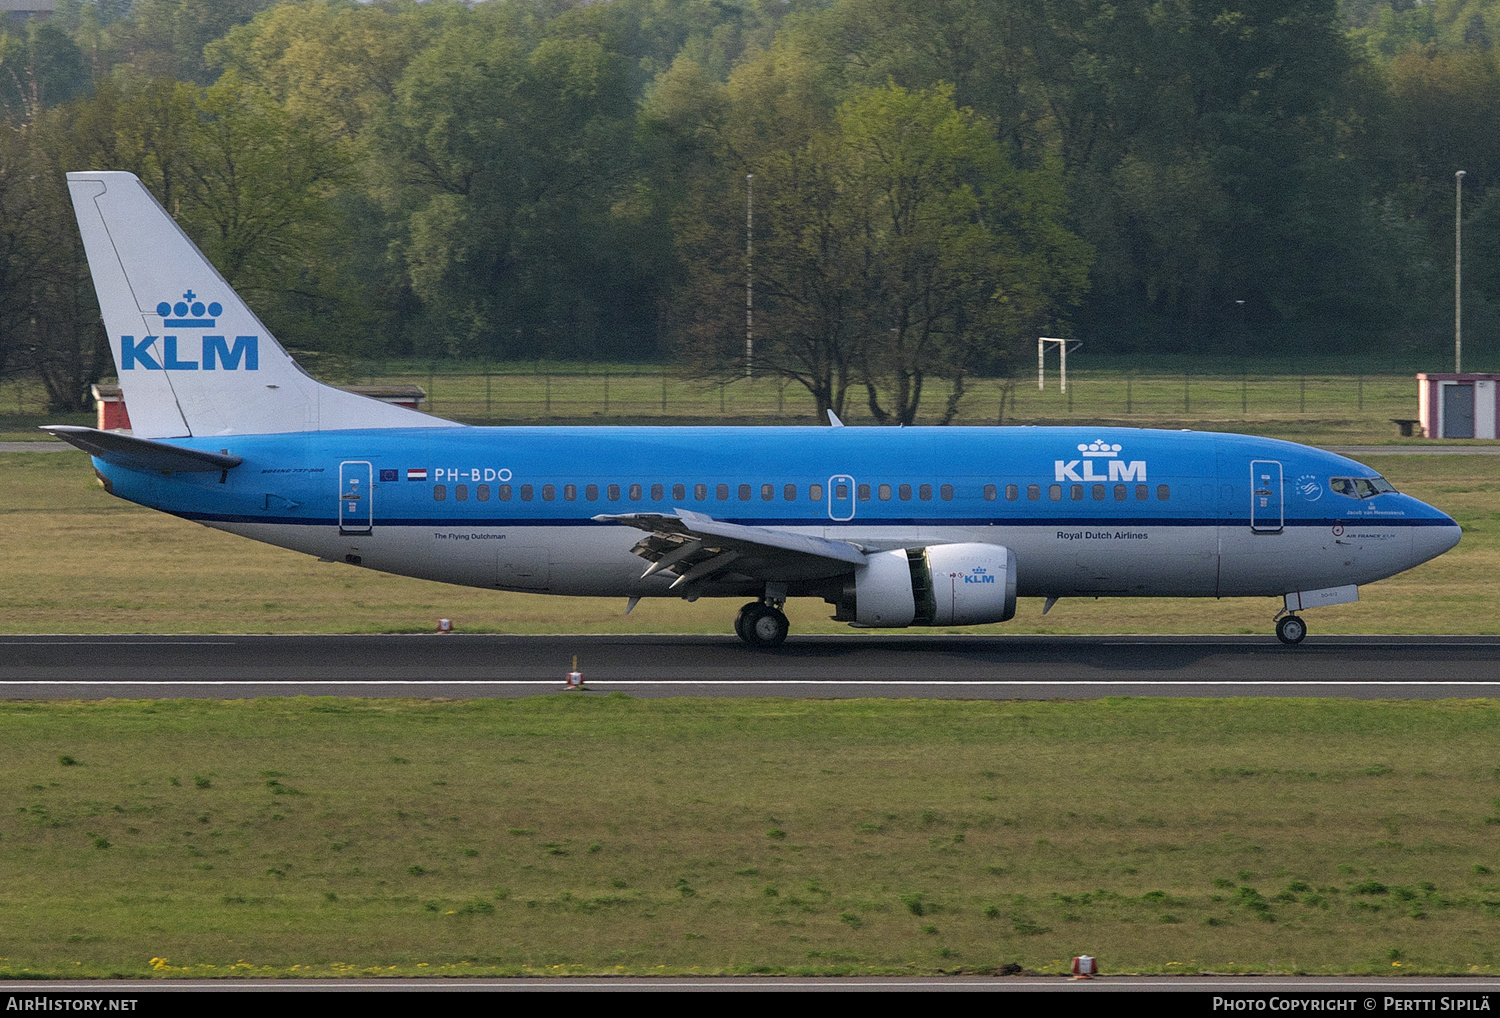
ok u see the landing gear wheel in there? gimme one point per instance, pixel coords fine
(768, 627)
(1290, 630)
(746, 612)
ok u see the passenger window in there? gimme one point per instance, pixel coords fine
(904, 493)
(925, 493)
(991, 492)
(635, 493)
(548, 493)
(815, 492)
(570, 492)
(767, 492)
(1077, 493)
(1141, 492)
(946, 493)
(744, 493)
(439, 492)
(1120, 493)
(864, 493)
(789, 493)
(722, 492)
(503, 493)
(461, 492)
(1163, 492)
(591, 492)
(841, 491)
(884, 491)
(1034, 492)
(679, 492)
(1098, 493)
(657, 491)
(482, 492)
(1054, 492)
(526, 493)
(700, 491)
(1012, 492)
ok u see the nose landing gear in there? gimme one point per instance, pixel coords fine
(761, 625)
(1290, 629)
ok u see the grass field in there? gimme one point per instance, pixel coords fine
(569, 835)
(77, 560)
(1323, 406)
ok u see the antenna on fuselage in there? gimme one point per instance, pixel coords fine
(833, 420)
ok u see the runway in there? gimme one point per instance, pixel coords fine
(952, 667)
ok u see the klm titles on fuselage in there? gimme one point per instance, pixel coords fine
(1119, 470)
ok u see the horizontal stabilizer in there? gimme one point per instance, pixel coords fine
(141, 453)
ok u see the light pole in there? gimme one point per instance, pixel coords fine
(1458, 273)
(749, 273)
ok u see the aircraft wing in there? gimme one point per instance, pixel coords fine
(141, 453)
(697, 547)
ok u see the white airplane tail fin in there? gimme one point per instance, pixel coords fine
(192, 358)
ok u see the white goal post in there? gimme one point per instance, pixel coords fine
(1062, 352)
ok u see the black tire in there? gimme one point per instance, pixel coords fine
(767, 627)
(1291, 630)
(745, 612)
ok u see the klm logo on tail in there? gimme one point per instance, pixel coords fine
(213, 352)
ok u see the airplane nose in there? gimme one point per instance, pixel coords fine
(1430, 542)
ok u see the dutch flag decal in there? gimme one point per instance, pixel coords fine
(416, 474)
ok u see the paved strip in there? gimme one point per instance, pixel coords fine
(1413, 450)
(828, 666)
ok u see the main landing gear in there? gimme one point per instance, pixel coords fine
(1290, 629)
(761, 625)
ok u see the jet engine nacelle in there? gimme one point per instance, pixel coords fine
(941, 585)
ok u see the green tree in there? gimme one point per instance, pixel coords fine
(40, 67)
(510, 159)
(893, 244)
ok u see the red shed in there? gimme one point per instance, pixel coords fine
(110, 403)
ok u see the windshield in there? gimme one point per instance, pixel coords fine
(1360, 487)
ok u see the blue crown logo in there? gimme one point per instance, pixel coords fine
(202, 316)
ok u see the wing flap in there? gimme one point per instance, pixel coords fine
(696, 547)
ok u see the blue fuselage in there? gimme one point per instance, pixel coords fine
(1087, 510)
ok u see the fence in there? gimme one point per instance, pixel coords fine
(651, 395)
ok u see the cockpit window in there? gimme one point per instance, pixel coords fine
(1359, 487)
